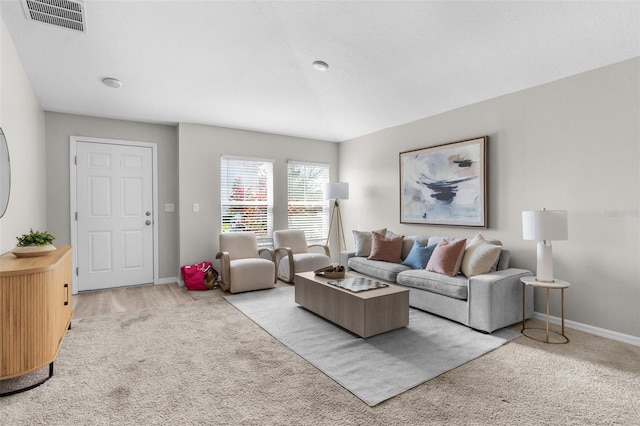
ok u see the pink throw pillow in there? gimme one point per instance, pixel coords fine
(386, 249)
(447, 257)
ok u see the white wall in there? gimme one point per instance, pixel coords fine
(571, 144)
(22, 121)
(200, 150)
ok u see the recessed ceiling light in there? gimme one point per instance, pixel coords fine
(321, 65)
(112, 82)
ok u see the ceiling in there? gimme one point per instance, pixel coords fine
(247, 65)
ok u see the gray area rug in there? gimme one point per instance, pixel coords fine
(379, 367)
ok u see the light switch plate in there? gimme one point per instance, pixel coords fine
(169, 207)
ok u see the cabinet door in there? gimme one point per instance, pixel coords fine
(29, 335)
(61, 304)
(35, 310)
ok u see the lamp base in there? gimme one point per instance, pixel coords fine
(544, 271)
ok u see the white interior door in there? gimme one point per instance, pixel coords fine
(114, 197)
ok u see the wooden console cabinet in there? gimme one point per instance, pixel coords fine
(35, 310)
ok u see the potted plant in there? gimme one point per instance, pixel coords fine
(35, 243)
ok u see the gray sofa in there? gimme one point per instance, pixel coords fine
(484, 302)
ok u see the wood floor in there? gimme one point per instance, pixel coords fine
(102, 302)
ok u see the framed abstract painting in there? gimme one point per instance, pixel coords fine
(445, 184)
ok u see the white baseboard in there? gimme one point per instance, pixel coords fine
(614, 335)
(169, 280)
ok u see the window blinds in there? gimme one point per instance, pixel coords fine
(307, 208)
(246, 196)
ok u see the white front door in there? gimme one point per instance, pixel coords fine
(114, 197)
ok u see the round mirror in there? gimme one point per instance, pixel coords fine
(5, 174)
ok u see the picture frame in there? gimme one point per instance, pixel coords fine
(445, 184)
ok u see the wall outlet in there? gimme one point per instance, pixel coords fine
(196, 207)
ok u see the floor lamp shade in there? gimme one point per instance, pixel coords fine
(337, 191)
(544, 226)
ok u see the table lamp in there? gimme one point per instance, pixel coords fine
(336, 191)
(543, 226)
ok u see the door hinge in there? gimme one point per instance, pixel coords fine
(75, 160)
(76, 216)
(77, 269)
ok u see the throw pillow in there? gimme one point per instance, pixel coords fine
(446, 257)
(419, 255)
(479, 256)
(436, 239)
(389, 234)
(363, 241)
(386, 249)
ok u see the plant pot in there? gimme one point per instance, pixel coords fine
(33, 251)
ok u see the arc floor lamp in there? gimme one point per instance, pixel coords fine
(336, 191)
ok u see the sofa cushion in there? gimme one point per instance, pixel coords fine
(419, 255)
(377, 269)
(479, 256)
(363, 241)
(408, 242)
(503, 261)
(455, 287)
(386, 249)
(389, 234)
(447, 257)
(434, 239)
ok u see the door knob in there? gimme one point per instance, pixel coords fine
(148, 222)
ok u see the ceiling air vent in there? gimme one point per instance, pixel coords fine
(61, 13)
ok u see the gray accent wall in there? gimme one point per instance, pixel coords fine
(571, 144)
(59, 129)
(189, 172)
(200, 150)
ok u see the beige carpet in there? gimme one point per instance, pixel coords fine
(205, 363)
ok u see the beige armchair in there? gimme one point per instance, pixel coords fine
(242, 268)
(294, 255)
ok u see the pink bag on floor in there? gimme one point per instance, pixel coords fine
(194, 276)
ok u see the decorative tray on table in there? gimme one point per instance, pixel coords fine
(331, 272)
(358, 284)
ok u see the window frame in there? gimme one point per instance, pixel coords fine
(318, 233)
(227, 183)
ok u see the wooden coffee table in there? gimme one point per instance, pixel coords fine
(364, 313)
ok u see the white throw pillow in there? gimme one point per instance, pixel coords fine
(363, 241)
(479, 256)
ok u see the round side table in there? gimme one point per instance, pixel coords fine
(548, 286)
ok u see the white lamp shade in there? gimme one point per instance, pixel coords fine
(336, 191)
(544, 225)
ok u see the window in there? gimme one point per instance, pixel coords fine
(307, 208)
(246, 196)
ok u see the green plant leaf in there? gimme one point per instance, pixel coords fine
(35, 238)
